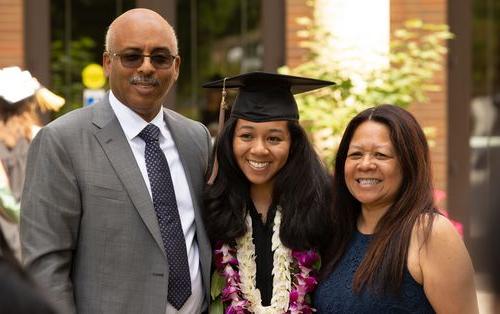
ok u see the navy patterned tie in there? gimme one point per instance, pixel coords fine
(165, 204)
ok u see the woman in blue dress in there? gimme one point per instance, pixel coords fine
(392, 252)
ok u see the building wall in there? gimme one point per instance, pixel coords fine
(295, 9)
(11, 33)
(433, 112)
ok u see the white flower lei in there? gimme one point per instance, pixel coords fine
(282, 282)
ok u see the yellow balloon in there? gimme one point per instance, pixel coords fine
(93, 76)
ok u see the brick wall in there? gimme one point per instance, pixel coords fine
(11, 33)
(433, 112)
(294, 54)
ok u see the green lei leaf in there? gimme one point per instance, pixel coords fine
(216, 306)
(218, 283)
(9, 204)
(317, 265)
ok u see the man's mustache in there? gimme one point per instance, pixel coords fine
(144, 80)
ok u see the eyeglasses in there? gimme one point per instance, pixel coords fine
(133, 60)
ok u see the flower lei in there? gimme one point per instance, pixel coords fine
(233, 282)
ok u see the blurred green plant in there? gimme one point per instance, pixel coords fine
(415, 55)
(66, 71)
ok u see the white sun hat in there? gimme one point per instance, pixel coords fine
(17, 85)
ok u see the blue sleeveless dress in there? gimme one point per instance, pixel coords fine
(335, 295)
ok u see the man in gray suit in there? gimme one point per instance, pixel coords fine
(90, 228)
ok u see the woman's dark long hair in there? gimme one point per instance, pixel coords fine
(302, 188)
(385, 260)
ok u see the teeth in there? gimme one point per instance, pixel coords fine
(258, 165)
(368, 181)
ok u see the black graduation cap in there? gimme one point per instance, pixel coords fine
(266, 96)
(263, 97)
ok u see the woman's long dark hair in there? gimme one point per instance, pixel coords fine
(302, 188)
(385, 260)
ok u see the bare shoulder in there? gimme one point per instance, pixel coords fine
(444, 246)
(420, 245)
(443, 233)
(447, 272)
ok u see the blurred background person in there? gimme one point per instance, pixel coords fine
(391, 251)
(22, 98)
(18, 294)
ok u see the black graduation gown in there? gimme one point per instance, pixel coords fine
(262, 239)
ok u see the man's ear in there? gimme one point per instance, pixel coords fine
(177, 65)
(106, 63)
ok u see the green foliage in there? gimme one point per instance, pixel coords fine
(70, 87)
(416, 54)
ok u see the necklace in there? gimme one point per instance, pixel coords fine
(233, 284)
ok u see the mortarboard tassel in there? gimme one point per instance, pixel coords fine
(222, 115)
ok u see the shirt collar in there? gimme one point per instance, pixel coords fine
(132, 123)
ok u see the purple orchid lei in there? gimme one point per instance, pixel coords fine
(304, 267)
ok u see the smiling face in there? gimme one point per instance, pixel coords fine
(142, 88)
(372, 170)
(261, 149)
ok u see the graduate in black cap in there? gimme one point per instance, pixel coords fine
(267, 200)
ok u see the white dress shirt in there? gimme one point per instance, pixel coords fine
(132, 124)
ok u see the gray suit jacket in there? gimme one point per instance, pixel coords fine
(89, 232)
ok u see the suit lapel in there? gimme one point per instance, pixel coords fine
(182, 143)
(189, 162)
(116, 147)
